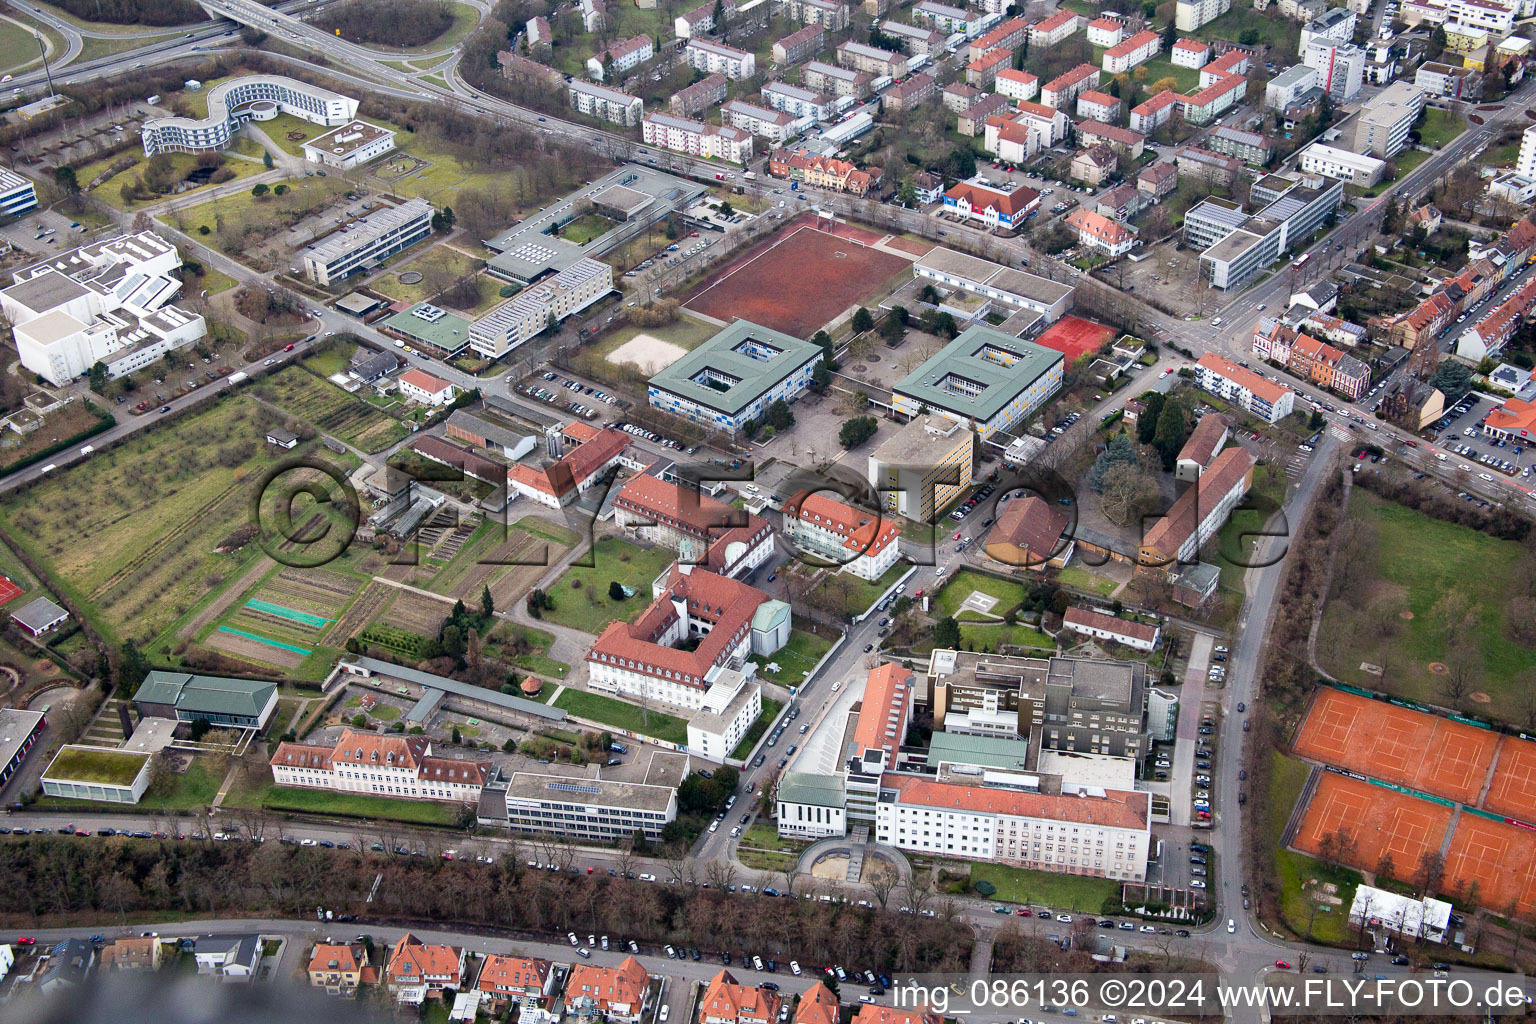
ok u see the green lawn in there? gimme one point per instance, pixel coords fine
(760, 847)
(1237, 538)
(1088, 582)
(216, 281)
(440, 266)
(535, 660)
(548, 530)
(1046, 888)
(1412, 561)
(794, 659)
(866, 592)
(1439, 127)
(1292, 869)
(313, 801)
(195, 788)
(687, 334)
(110, 767)
(623, 715)
(583, 229)
(1271, 28)
(18, 47)
(770, 711)
(965, 581)
(581, 594)
(990, 638)
(1500, 156)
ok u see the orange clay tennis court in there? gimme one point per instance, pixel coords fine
(1380, 821)
(1397, 744)
(1513, 788)
(1500, 858)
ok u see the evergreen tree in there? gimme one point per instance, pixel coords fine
(487, 606)
(946, 634)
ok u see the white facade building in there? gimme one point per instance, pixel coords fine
(367, 241)
(420, 386)
(771, 124)
(855, 541)
(624, 55)
(17, 196)
(604, 103)
(717, 58)
(536, 307)
(106, 302)
(1340, 68)
(1190, 15)
(798, 102)
(1355, 168)
(697, 138)
(248, 98)
(352, 145)
(395, 766)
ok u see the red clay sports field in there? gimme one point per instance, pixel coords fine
(1073, 336)
(798, 281)
(9, 591)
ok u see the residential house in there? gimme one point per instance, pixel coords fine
(707, 92)
(620, 57)
(1010, 35)
(945, 18)
(1055, 29)
(603, 103)
(1190, 53)
(1122, 202)
(717, 58)
(1242, 387)
(798, 102)
(863, 57)
(829, 14)
(141, 954)
(232, 958)
(505, 978)
(612, 994)
(973, 120)
(822, 171)
(1139, 636)
(1062, 90)
(727, 1002)
(1158, 180)
(1123, 141)
(958, 96)
(839, 81)
(982, 72)
(1249, 147)
(418, 971)
(1099, 232)
(773, 125)
(1106, 31)
(420, 386)
(339, 968)
(1136, 50)
(929, 187)
(916, 40)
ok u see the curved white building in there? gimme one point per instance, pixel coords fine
(252, 98)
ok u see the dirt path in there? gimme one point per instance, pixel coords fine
(220, 605)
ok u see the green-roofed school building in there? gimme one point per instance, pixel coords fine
(735, 376)
(983, 377)
(224, 703)
(983, 752)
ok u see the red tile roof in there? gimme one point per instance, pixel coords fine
(1110, 132)
(981, 197)
(990, 59)
(1192, 45)
(1116, 809)
(999, 35)
(1103, 99)
(725, 999)
(1227, 63)
(1070, 78)
(1204, 440)
(1022, 77)
(503, 973)
(1131, 45)
(413, 962)
(1076, 616)
(421, 379)
(607, 987)
(575, 467)
(445, 769)
(726, 603)
(1106, 22)
(1197, 503)
(863, 533)
(1055, 21)
(342, 959)
(888, 695)
(1031, 524)
(1515, 416)
(384, 751)
(1096, 225)
(817, 1006)
(301, 755)
(1267, 390)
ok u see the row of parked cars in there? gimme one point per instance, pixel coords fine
(652, 436)
(971, 503)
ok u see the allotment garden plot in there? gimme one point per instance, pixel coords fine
(330, 409)
(286, 618)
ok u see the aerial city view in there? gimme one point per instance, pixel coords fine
(767, 512)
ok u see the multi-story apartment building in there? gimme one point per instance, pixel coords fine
(802, 44)
(1010, 35)
(1287, 88)
(1190, 53)
(1244, 388)
(701, 20)
(1020, 86)
(1061, 91)
(773, 125)
(983, 71)
(697, 138)
(620, 57)
(1310, 358)
(915, 40)
(1335, 25)
(830, 15)
(1138, 49)
(945, 18)
(1383, 124)
(401, 767)
(707, 92)
(1123, 141)
(863, 57)
(1055, 29)
(337, 968)
(540, 306)
(717, 58)
(1340, 68)
(1447, 82)
(798, 102)
(1098, 106)
(910, 92)
(839, 81)
(604, 103)
(854, 541)
(1190, 15)
(1106, 31)
(1099, 232)
(922, 467)
(614, 994)
(1249, 147)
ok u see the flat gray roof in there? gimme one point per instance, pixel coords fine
(489, 429)
(1232, 246)
(46, 291)
(16, 728)
(526, 786)
(978, 373)
(994, 275)
(1095, 679)
(747, 358)
(38, 614)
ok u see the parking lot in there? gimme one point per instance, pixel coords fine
(1469, 450)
